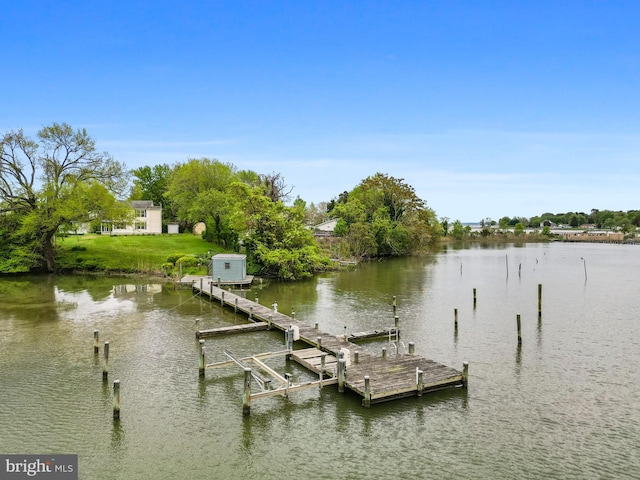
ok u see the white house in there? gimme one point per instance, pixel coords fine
(147, 220)
(326, 227)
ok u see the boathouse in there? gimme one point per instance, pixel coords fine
(229, 268)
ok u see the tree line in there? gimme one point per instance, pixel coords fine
(50, 184)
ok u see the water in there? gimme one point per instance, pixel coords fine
(564, 405)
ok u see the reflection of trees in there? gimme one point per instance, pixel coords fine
(99, 288)
(387, 278)
(29, 297)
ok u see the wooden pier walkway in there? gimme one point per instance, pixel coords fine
(375, 377)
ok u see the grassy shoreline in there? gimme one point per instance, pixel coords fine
(130, 254)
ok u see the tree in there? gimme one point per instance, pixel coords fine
(274, 235)
(150, 183)
(68, 170)
(398, 219)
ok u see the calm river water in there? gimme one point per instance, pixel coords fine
(565, 405)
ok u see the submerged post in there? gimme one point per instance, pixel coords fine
(116, 399)
(519, 329)
(465, 374)
(105, 368)
(539, 301)
(366, 401)
(455, 318)
(474, 297)
(96, 341)
(246, 396)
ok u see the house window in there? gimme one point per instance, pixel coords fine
(141, 225)
(141, 213)
(227, 265)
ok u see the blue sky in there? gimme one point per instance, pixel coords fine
(486, 108)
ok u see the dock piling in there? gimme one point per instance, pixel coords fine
(474, 297)
(202, 362)
(384, 352)
(420, 384)
(222, 298)
(116, 399)
(539, 301)
(519, 329)
(342, 374)
(96, 342)
(105, 368)
(366, 401)
(246, 395)
(412, 348)
(269, 319)
(465, 374)
(356, 357)
(455, 318)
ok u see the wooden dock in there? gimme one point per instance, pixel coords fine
(375, 377)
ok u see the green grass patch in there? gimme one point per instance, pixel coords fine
(134, 253)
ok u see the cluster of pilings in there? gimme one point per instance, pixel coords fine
(105, 373)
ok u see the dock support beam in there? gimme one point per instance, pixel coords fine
(246, 396)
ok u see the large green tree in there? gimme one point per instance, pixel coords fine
(276, 240)
(52, 184)
(385, 217)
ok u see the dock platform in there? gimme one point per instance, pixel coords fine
(376, 378)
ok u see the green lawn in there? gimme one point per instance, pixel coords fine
(130, 253)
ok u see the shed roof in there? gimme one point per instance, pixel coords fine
(229, 256)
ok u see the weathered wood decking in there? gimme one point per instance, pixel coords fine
(393, 376)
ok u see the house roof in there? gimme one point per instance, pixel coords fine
(143, 204)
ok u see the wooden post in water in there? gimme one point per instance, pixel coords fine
(222, 298)
(342, 374)
(366, 401)
(318, 342)
(394, 305)
(105, 367)
(251, 312)
(539, 301)
(465, 374)
(316, 326)
(197, 327)
(455, 318)
(202, 364)
(116, 399)
(246, 396)
(269, 319)
(201, 280)
(96, 342)
(474, 297)
(211, 289)
(323, 361)
(384, 352)
(412, 348)
(420, 382)
(519, 329)
(356, 357)
(235, 308)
